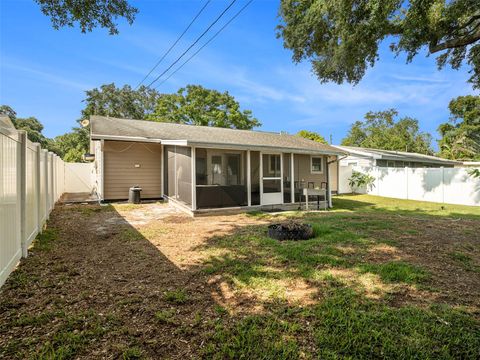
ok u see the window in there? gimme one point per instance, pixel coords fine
(316, 165)
(273, 164)
(216, 169)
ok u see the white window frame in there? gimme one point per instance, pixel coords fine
(311, 164)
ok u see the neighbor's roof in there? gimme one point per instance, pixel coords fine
(395, 155)
(110, 128)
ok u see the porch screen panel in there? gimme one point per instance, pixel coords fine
(221, 178)
(169, 164)
(183, 162)
(287, 178)
(255, 177)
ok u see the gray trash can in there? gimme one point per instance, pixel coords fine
(134, 195)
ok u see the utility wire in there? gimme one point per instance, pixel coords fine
(194, 43)
(208, 42)
(173, 45)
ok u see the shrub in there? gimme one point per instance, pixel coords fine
(360, 180)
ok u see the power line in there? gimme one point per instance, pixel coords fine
(208, 42)
(194, 43)
(175, 43)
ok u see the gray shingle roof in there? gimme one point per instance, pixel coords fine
(102, 127)
(398, 155)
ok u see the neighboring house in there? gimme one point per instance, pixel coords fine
(359, 156)
(475, 164)
(200, 167)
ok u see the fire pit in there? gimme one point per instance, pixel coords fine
(290, 230)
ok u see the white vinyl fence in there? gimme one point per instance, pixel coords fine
(443, 185)
(31, 181)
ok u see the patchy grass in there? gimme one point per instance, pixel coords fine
(176, 297)
(348, 326)
(165, 316)
(394, 272)
(44, 241)
(366, 203)
(380, 279)
(465, 261)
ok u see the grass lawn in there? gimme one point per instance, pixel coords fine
(382, 278)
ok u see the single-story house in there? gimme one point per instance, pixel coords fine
(359, 156)
(200, 167)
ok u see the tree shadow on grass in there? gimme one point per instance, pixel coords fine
(103, 289)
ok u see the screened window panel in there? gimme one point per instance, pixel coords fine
(287, 178)
(255, 177)
(221, 178)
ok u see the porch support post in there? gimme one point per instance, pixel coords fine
(194, 181)
(260, 171)
(292, 179)
(102, 178)
(281, 177)
(329, 192)
(162, 171)
(249, 180)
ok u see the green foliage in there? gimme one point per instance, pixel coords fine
(360, 180)
(311, 135)
(341, 38)
(88, 14)
(31, 125)
(197, 105)
(381, 130)
(73, 145)
(475, 173)
(122, 102)
(461, 136)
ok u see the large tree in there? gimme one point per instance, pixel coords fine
(461, 136)
(107, 100)
(88, 14)
(312, 135)
(123, 102)
(31, 125)
(341, 38)
(197, 105)
(382, 130)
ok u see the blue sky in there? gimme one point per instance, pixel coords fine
(45, 72)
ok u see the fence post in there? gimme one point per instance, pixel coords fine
(406, 181)
(45, 166)
(38, 154)
(22, 136)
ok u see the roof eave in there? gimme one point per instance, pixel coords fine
(181, 142)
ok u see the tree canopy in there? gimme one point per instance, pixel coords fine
(123, 102)
(88, 14)
(312, 135)
(341, 38)
(197, 105)
(461, 135)
(382, 130)
(31, 125)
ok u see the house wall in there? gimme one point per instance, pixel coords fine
(355, 160)
(131, 163)
(302, 171)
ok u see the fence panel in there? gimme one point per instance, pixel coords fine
(78, 177)
(32, 180)
(31, 198)
(443, 185)
(10, 242)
